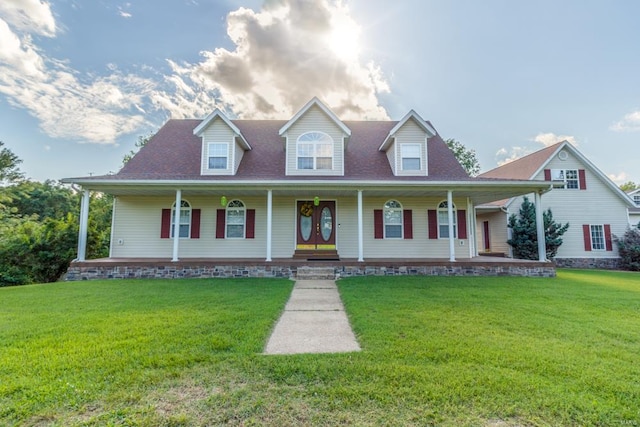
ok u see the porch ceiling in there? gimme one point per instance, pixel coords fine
(479, 192)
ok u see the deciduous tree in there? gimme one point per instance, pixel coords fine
(466, 157)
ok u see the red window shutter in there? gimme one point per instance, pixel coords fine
(583, 179)
(547, 174)
(378, 231)
(408, 223)
(250, 232)
(432, 215)
(165, 227)
(607, 237)
(462, 224)
(195, 223)
(220, 223)
(586, 232)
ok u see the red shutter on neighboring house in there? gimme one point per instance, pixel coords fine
(195, 223)
(408, 223)
(432, 215)
(220, 223)
(586, 233)
(378, 231)
(583, 179)
(462, 224)
(250, 232)
(607, 237)
(547, 174)
(165, 225)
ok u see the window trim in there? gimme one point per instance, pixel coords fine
(443, 208)
(229, 208)
(210, 156)
(403, 157)
(315, 139)
(387, 208)
(186, 208)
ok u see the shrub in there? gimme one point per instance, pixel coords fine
(524, 237)
(629, 249)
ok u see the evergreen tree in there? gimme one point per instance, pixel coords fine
(524, 238)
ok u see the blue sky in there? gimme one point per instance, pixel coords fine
(80, 81)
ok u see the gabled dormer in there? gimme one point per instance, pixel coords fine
(314, 141)
(406, 146)
(223, 145)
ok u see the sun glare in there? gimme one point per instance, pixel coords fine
(344, 37)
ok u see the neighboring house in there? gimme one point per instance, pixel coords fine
(634, 213)
(595, 208)
(312, 187)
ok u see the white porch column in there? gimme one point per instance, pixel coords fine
(84, 225)
(360, 229)
(269, 222)
(471, 228)
(176, 225)
(542, 247)
(452, 240)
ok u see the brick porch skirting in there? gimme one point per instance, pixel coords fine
(165, 269)
(601, 263)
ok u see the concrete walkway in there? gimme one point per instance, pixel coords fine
(313, 321)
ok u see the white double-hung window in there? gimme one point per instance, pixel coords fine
(314, 151)
(411, 155)
(218, 155)
(569, 176)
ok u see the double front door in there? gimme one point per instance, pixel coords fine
(316, 227)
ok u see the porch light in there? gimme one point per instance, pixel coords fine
(316, 201)
(223, 200)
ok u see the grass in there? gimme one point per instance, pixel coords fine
(436, 351)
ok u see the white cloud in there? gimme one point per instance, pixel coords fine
(33, 16)
(629, 123)
(87, 108)
(504, 155)
(620, 178)
(284, 55)
(123, 12)
(548, 139)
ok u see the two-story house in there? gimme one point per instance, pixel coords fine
(593, 205)
(309, 188)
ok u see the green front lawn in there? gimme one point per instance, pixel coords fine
(436, 351)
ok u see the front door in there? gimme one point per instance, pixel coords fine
(316, 227)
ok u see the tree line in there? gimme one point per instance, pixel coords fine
(39, 225)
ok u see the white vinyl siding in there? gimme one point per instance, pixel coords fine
(409, 138)
(598, 204)
(219, 133)
(419, 247)
(138, 225)
(314, 120)
(498, 231)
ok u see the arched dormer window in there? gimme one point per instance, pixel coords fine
(443, 220)
(393, 220)
(314, 151)
(236, 218)
(185, 219)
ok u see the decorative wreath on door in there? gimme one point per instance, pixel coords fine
(306, 209)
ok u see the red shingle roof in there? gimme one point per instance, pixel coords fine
(174, 153)
(524, 167)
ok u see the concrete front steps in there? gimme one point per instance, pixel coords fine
(316, 273)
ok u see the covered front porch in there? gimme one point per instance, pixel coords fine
(138, 268)
(273, 223)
